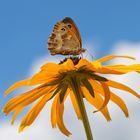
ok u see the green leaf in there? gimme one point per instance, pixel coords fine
(63, 92)
(55, 82)
(87, 84)
(82, 68)
(56, 91)
(98, 78)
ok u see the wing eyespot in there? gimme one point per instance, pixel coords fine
(62, 29)
(69, 26)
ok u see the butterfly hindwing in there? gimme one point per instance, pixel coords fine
(65, 38)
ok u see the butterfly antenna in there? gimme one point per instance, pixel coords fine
(81, 55)
(85, 55)
(91, 55)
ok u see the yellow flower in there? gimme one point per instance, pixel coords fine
(73, 77)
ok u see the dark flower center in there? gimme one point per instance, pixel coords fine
(75, 60)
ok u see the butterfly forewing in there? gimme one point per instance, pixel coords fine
(65, 38)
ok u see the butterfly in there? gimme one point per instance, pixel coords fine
(65, 38)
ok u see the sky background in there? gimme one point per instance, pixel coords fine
(106, 27)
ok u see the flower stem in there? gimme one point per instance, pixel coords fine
(82, 110)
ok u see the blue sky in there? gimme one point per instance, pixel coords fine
(26, 25)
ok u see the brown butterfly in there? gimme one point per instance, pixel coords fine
(65, 38)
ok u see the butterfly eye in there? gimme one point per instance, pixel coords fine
(69, 25)
(63, 29)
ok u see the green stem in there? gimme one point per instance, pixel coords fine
(82, 110)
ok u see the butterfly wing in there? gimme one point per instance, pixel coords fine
(65, 38)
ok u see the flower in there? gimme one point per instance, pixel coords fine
(75, 77)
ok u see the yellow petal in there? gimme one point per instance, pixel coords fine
(41, 78)
(75, 105)
(53, 109)
(67, 66)
(97, 102)
(60, 122)
(125, 68)
(109, 70)
(86, 63)
(116, 66)
(110, 57)
(50, 67)
(17, 85)
(17, 112)
(114, 98)
(45, 75)
(33, 113)
(106, 95)
(118, 69)
(96, 65)
(66, 95)
(25, 99)
(118, 101)
(53, 112)
(122, 87)
(31, 82)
